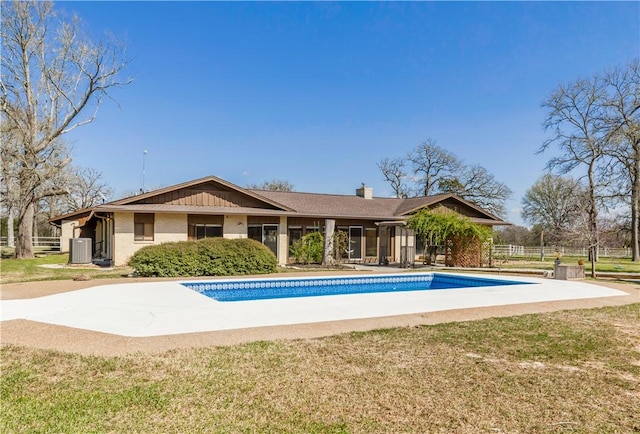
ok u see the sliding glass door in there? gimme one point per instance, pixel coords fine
(355, 242)
(266, 234)
(270, 237)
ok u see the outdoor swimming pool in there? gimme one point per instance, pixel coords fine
(260, 289)
(157, 308)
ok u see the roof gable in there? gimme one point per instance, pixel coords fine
(208, 192)
(413, 204)
(450, 201)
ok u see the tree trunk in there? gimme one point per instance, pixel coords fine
(635, 247)
(24, 244)
(329, 227)
(36, 232)
(635, 211)
(593, 215)
(11, 236)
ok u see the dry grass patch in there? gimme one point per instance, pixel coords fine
(574, 371)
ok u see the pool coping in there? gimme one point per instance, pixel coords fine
(41, 329)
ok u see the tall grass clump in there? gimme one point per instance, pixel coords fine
(207, 257)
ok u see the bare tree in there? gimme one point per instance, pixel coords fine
(9, 195)
(518, 235)
(395, 173)
(622, 123)
(552, 203)
(622, 228)
(477, 185)
(26, 175)
(86, 188)
(575, 121)
(273, 185)
(615, 231)
(431, 163)
(53, 80)
(436, 170)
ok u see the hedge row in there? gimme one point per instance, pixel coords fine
(207, 257)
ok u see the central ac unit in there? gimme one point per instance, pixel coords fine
(80, 251)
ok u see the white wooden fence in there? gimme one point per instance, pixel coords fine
(44, 243)
(534, 252)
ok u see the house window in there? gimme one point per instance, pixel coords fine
(295, 234)
(371, 241)
(208, 231)
(310, 229)
(267, 234)
(254, 232)
(204, 226)
(143, 227)
(355, 242)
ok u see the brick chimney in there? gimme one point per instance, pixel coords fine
(365, 192)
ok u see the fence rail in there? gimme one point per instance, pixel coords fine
(535, 252)
(46, 243)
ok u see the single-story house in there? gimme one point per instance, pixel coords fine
(213, 207)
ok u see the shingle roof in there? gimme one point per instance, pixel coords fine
(415, 203)
(334, 205)
(292, 204)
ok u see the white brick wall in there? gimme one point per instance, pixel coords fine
(173, 227)
(167, 227)
(170, 227)
(123, 246)
(235, 226)
(66, 233)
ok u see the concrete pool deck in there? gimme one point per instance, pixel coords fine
(121, 318)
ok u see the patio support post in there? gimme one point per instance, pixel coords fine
(283, 242)
(329, 229)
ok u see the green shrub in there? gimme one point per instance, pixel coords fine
(309, 249)
(207, 257)
(340, 245)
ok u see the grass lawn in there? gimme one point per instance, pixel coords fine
(571, 371)
(26, 270)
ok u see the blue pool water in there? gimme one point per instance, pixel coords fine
(256, 289)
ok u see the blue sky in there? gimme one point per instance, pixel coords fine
(318, 93)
